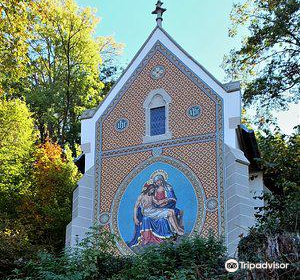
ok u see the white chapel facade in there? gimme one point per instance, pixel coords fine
(165, 154)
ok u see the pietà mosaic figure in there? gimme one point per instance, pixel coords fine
(156, 217)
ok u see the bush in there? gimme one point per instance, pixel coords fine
(191, 258)
(98, 258)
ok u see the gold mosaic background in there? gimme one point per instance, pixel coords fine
(200, 157)
(114, 171)
(184, 93)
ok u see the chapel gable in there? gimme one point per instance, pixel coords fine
(164, 89)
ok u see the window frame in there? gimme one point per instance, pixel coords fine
(157, 98)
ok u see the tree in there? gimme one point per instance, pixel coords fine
(15, 24)
(36, 186)
(280, 158)
(50, 57)
(269, 59)
(110, 70)
(280, 163)
(275, 237)
(65, 61)
(17, 138)
(47, 209)
(16, 144)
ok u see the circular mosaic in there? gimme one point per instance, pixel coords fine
(211, 204)
(104, 218)
(130, 224)
(121, 125)
(157, 72)
(156, 152)
(194, 112)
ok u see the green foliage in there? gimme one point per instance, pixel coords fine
(280, 158)
(65, 66)
(16, 144)
(281, 163)
(47, 208)
(191, 258)
(35, 218)
(50, 57)
(93, 259)
(275, 237)
(268, 61)
(15, 247)
(15, 18)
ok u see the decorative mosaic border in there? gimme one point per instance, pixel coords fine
(219, 133)
(162, 144)
(200, 195)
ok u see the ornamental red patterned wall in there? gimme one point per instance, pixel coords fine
(121, 152)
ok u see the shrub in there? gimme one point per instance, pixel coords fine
(97, 257)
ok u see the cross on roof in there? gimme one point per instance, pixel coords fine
(159, 12)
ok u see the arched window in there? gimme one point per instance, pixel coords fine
(156, 108)
(157, 121)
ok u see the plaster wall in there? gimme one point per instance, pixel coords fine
(239, 192)
(82, 209)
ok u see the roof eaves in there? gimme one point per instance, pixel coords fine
(232, 86)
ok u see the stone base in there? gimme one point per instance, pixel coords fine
(82, 210)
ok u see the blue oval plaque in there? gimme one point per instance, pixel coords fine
(121, 124)
(194, 112)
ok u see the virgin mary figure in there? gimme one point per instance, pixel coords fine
(155, 215)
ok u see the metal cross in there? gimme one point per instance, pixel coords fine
(159, 12)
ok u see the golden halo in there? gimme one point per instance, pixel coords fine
(159, 172)
(149, 182)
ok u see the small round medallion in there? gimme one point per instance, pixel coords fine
(121, 124)
(157, 72)
(194, 112)
(156, 152)
(104, 218)
(211, 204)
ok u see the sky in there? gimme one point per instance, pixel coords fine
(200, 27)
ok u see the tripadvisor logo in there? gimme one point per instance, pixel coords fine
(232, 265)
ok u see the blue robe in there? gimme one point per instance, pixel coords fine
(160, 227)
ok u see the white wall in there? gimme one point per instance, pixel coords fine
(88, 142)
(239, 192)
(82, 209)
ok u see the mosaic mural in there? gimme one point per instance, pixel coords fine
(138, 207)
(165, 200)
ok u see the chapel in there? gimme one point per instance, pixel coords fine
(165, 155)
